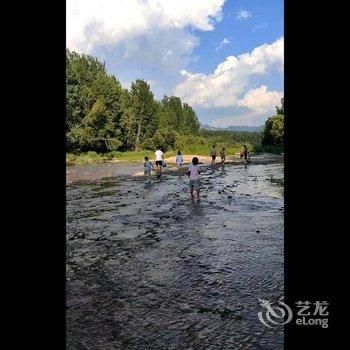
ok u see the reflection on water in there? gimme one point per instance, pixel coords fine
(149, 268)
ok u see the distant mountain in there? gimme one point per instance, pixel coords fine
(207, 127)
(234, 128)
(244, 128)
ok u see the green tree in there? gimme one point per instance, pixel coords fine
(94, 105)
(190, 123)
(273, 133)
(171, 113)
(280, 110)
(102, 116)
(140, 120)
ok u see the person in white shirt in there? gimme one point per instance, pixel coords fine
(159, 160)
(179, 161)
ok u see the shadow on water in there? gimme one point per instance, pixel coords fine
(195, 207)
(148, 185)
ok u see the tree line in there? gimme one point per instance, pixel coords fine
(103, 116)
(231, 138)
(273, 132)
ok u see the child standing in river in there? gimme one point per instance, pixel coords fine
(179, 161)
(148, 167)
(213, 155)
(222, 154)
(245, 153)
(193, 173)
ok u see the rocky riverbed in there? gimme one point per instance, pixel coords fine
(148, 268)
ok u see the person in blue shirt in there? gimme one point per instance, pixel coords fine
(148, 167)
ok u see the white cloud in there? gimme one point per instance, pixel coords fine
(153, 40)
(148, 39)
(109, 22)
(243, 14)
(260, 26)
(232, 78)
(223, 43)
(260, 99)
(158, 56)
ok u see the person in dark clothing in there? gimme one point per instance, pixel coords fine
(245, 152)
(213, 155)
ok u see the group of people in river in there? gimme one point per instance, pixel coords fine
(194, 169)
(243, 155)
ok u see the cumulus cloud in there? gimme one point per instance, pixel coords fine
(260, 99)
(232, 78)
(243, 14)
(149, 39)
(223, 43)
(109, 22)
(158, 56)
(154, 40)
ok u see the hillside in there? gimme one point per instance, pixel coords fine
(233, 128)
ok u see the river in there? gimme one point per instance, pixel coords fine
(148, 268)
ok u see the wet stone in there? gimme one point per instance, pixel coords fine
(163, 272)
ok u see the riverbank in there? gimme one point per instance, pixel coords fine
(89, 158)
(92, 172)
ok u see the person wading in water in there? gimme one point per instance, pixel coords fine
(159, 161)
(245, 153)
(222, 154)
(213, 155)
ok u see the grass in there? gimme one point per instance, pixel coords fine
(85, 158)
(89, 158)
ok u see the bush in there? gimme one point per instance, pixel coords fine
(85, 158)
(70, 159)
(273, 133)
(113, 155)
(189, 142)
(159, 141)
(148, 144)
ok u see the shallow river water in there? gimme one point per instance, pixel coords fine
(148, 268)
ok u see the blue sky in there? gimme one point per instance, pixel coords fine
(265, 26)
(225, 58)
